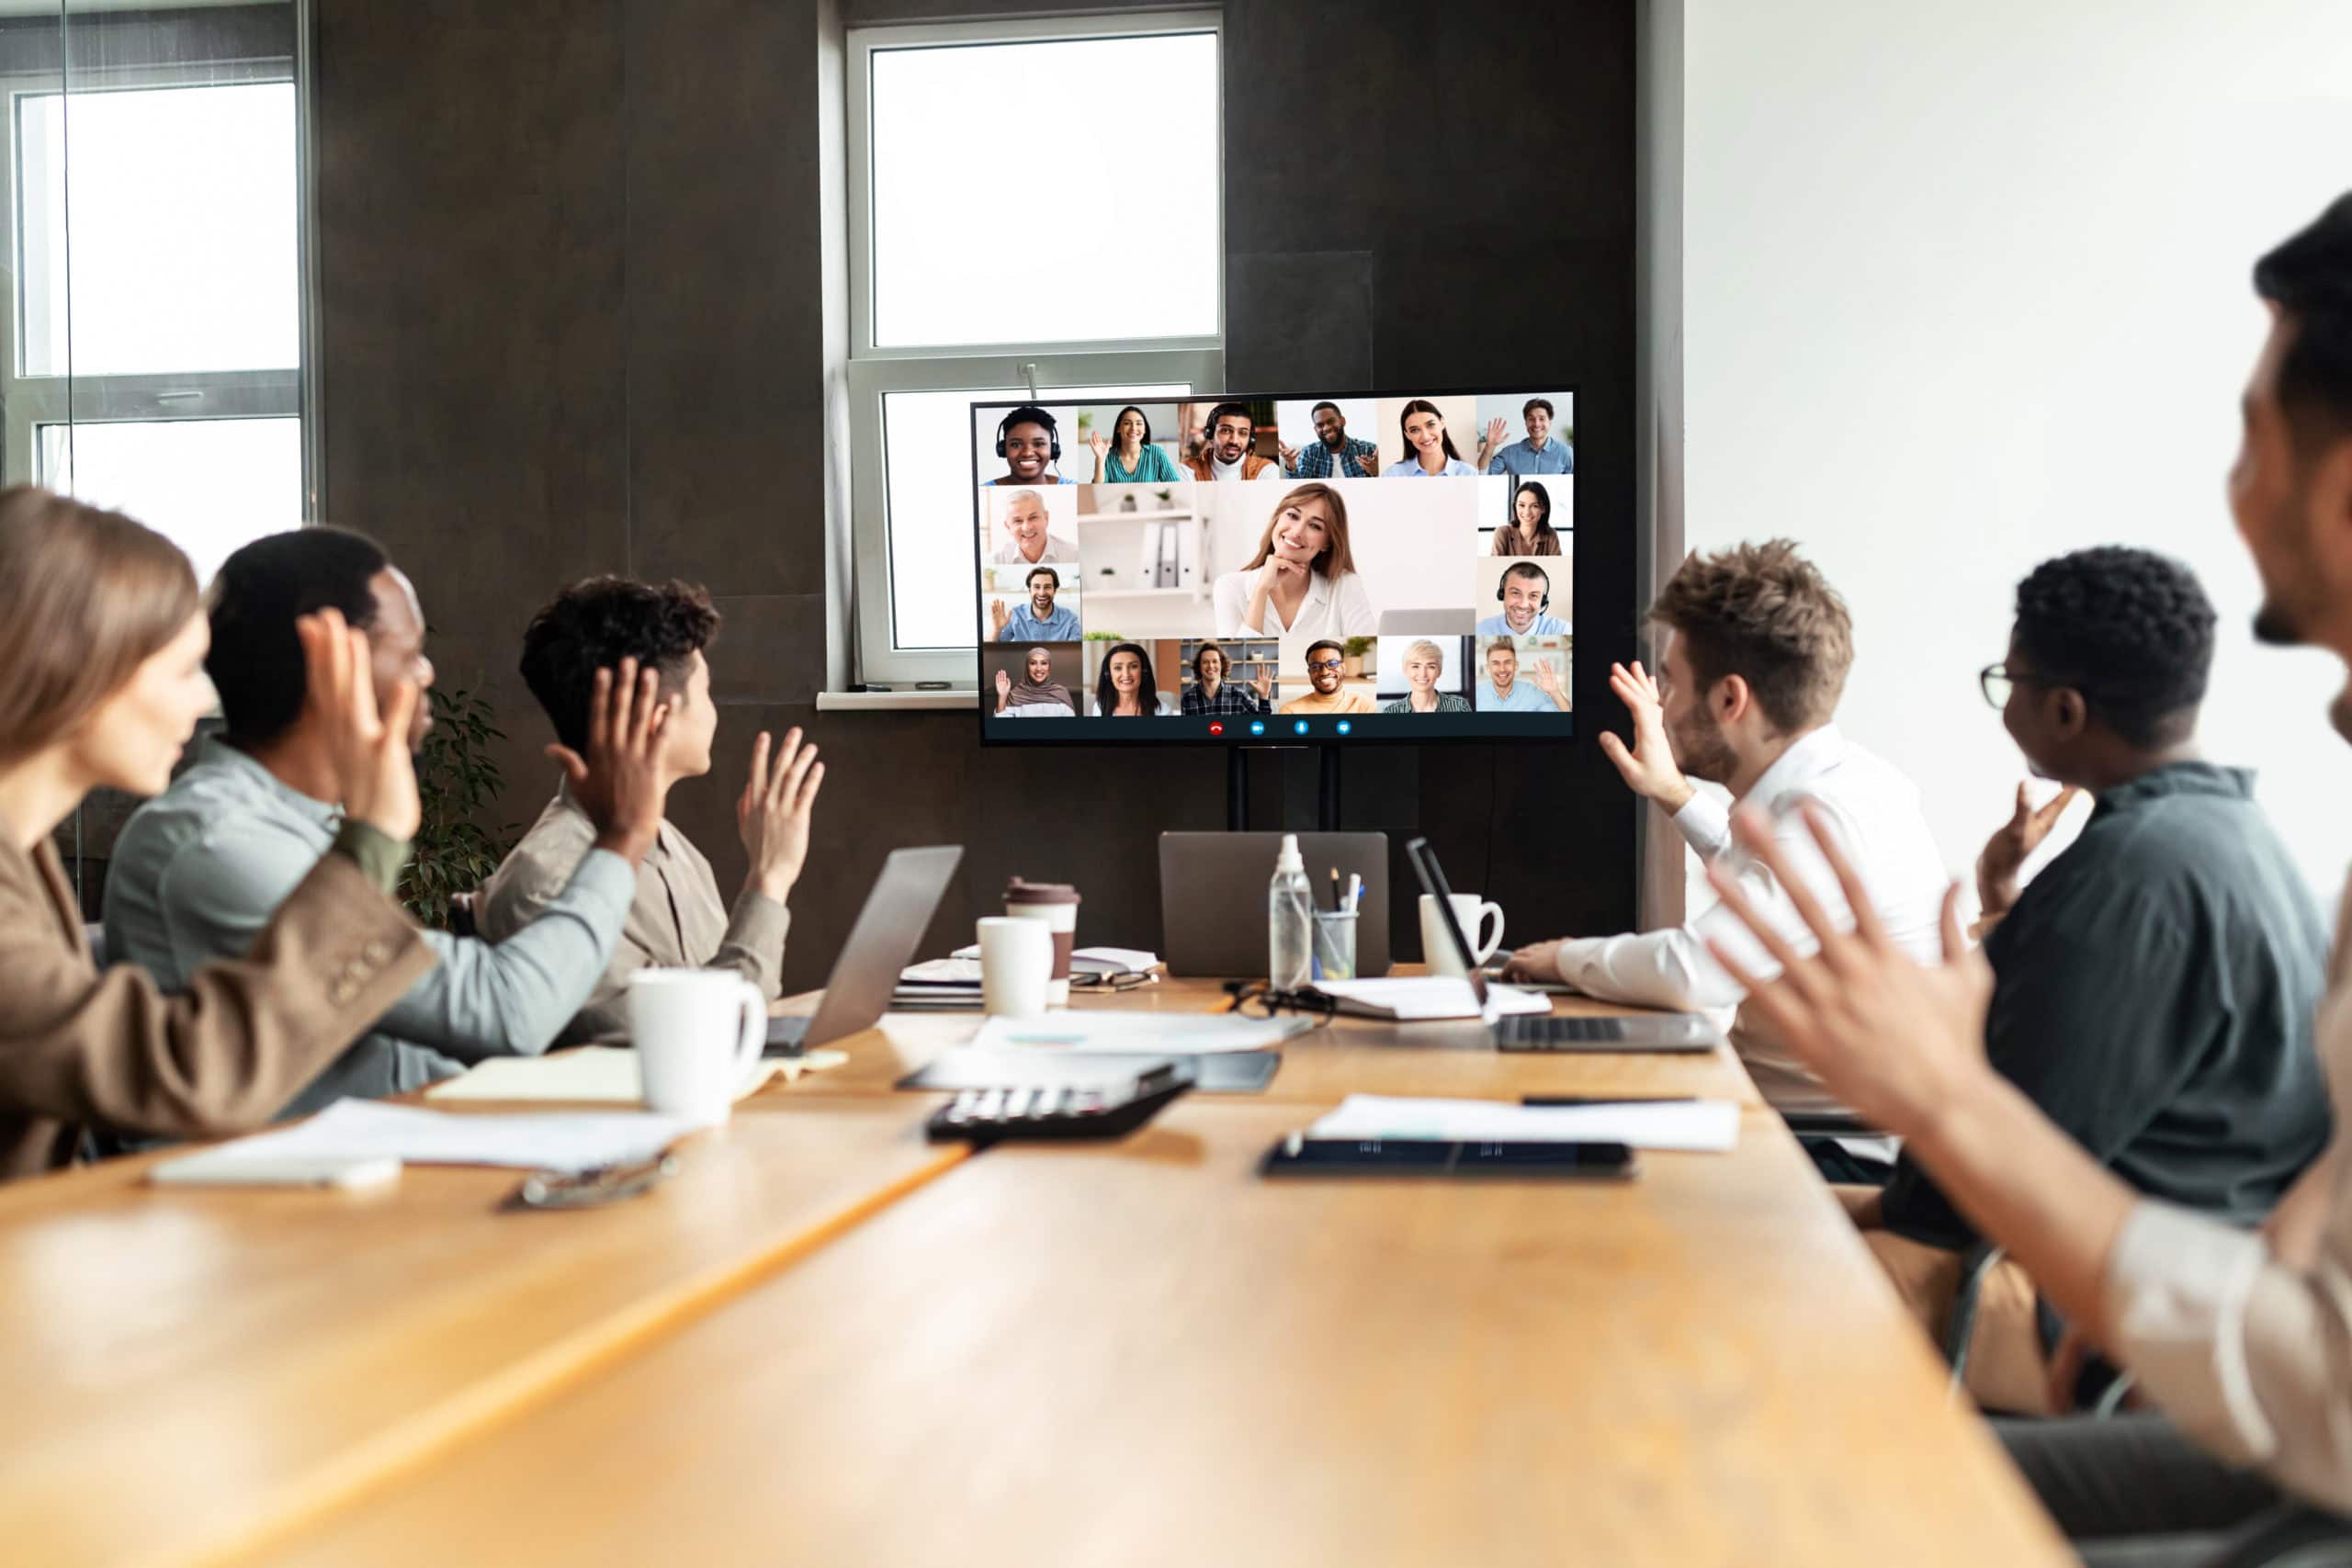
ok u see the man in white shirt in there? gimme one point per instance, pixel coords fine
(2241, 1339)
(1027, 540)
(1756, 649)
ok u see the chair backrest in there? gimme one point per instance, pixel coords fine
(461, 915)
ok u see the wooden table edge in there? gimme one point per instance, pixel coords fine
(472, 1411)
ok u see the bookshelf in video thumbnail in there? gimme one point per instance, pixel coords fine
(1372, 565)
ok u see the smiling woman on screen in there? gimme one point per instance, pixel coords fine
(1303, 580)
(1125, 689)
(1429, 450)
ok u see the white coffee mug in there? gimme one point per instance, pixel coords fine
(1016, 965)
(1437, 945)
(698, 1034)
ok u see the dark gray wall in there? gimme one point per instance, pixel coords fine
(573, 320)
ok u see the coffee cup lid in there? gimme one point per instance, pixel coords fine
(1018, 891)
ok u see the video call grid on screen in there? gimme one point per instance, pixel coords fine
(1243, 568)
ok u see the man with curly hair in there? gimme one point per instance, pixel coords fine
(1754, 651)
(2154, 988)
(678, 919)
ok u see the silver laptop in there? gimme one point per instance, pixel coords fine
(888, 931)
(1213, 898)
(1542, 1032)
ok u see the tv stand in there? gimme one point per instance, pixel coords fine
(1236, 788)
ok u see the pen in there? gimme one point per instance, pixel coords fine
(1562, 1100)
(1335, 890)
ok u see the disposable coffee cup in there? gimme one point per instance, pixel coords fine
(1055, 906)
(1016, 965)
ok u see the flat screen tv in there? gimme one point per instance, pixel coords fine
(1365, 567)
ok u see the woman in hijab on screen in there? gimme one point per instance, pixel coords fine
(1037, 694)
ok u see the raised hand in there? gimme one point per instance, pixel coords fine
(997, 617)
(1371, 462)
(2012, 842)
(1649, 768)
(620, 784)
(374, 772)
(1897, 1040)
(773, 813)
(1263, 685)
(1547, 680)
(1099, 443)
(1497, 431)
(1290, 460)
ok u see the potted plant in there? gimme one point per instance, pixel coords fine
(1354, 652)
(456, 781)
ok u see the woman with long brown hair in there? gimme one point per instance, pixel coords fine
(102, 644)
(1303, 580)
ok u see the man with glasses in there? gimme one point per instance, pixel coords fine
(1324, 660)
(2154, 986)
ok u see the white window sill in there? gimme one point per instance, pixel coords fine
(895, 702)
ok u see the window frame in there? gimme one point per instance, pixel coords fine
(75, 397)
(985, 369)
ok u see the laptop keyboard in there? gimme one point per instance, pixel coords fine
(1538, 1031)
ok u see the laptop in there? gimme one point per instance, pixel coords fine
(888, 931)
(1213, 898)
(1543, 1031)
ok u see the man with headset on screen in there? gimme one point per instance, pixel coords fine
(1525, 593)
(1027, 440)
(1231, 428)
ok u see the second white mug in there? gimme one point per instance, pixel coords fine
(1436, 946)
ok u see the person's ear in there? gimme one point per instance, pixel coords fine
(1731, 699)
(2067, 714)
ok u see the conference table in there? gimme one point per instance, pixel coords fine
(826, 1339)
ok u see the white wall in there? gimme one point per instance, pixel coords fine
(1964, 287)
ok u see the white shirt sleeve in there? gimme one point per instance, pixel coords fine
(1231, 602)
(1672, 968)
(2252, 1358)
(1353, 613)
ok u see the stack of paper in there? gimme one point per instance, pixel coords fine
(1417, 998)
(358, 1130)
(1705, 1126)
(597, 1075)
(1139, 1034)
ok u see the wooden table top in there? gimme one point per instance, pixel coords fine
(827, 1340)
(188, 1368)
(1143, 1353)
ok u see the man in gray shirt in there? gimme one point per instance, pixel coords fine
(199, 870)
(678, 918)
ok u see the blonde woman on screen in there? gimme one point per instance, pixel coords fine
(1303, 580)
(1424, 667)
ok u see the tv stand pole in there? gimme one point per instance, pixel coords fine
(1236, 788)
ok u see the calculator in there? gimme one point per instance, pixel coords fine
(1067, 1110)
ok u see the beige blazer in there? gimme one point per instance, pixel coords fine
(80, 1046)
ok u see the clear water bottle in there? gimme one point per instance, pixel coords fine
(1290, 919)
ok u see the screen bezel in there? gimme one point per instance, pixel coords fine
(1489, 728)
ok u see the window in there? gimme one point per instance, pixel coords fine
(157, 363)
(1035, 210)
